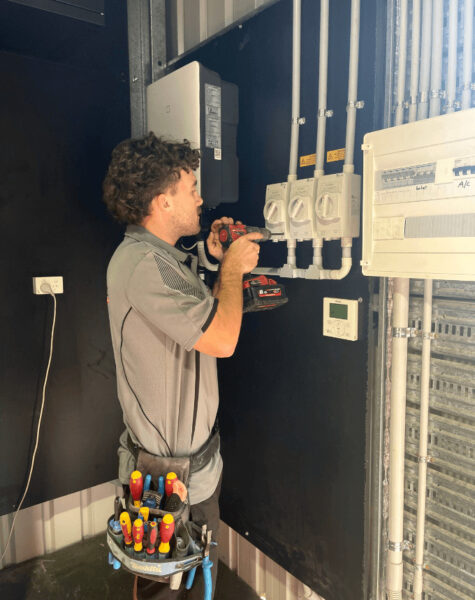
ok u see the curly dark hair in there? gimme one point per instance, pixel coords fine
(139, 170)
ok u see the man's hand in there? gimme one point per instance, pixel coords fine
(242, 255)
(215, 247)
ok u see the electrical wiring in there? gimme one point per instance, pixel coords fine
(190, 248)
(43, 397)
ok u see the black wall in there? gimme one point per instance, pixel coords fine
(292, 401)
(63, 106)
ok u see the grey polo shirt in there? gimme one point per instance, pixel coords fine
(158, 310)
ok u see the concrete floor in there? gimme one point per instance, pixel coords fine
(81, 572)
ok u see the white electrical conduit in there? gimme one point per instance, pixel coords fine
(424, 77)
(467, 55)
(316, 270)
(436, 63)
(203, 259)
(323, 113)
(423, 435)
(401, 75)
(416, 36)
(394, 565)
(452, 57)
(294, 131)
(353, 103)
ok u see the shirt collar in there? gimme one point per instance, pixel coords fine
(139, 233)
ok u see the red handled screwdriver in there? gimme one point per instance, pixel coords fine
(136, 487)
(169, 481)
(167, 527)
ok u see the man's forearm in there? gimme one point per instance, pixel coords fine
(221, 337)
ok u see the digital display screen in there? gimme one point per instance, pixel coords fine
(338, 311)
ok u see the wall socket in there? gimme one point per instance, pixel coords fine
(56, 284)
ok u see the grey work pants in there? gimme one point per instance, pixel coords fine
(204, 512)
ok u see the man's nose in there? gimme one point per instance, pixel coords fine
(200, 201)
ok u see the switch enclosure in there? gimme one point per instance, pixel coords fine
(337, 206)
(301, 208)
(275, 210)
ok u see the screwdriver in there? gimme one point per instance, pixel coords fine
(138, 532)
(144, 512)
(167, 527)
(152, 538)
(126, 527)
(136, 487)
(147, 482)
(169, 481)
(114, 523)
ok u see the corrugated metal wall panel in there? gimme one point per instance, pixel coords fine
(266, 577)
(58, 523)
(190, 22)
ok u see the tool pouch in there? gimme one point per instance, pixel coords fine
(161, 465)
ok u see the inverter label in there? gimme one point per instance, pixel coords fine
(212, 116)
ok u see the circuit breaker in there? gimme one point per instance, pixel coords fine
(193, 103)
(419, 199)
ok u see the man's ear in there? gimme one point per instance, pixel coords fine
(162, 202)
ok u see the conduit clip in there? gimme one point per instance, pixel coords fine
(323, 112)
(428, 335)
(412, 100)
(438, 94)
(400, 546)
(404, 332)
(355, 104)
(423, 97)
(298, 120)
(425, 459)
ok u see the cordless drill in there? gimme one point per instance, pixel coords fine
(259, 291)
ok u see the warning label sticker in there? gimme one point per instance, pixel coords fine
(212, 116)
(334, 155)
(309, 159)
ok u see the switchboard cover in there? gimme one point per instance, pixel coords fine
(419, 199)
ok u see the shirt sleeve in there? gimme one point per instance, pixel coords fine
(172, 298)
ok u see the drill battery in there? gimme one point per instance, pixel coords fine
(262, 293)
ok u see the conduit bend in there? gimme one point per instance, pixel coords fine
(203, 259)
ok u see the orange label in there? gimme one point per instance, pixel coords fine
(309, 159)
(334, 155)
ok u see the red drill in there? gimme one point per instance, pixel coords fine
(259, 291)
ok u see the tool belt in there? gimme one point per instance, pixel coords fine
(183, 466)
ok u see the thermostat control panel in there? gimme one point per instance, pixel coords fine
(340, 318)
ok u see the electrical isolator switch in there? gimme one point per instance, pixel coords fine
(275, 210)
(337, 206)
(301, 197)
(340, 318)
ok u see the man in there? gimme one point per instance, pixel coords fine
(167, 327)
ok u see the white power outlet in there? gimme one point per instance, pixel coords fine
(55, 283)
